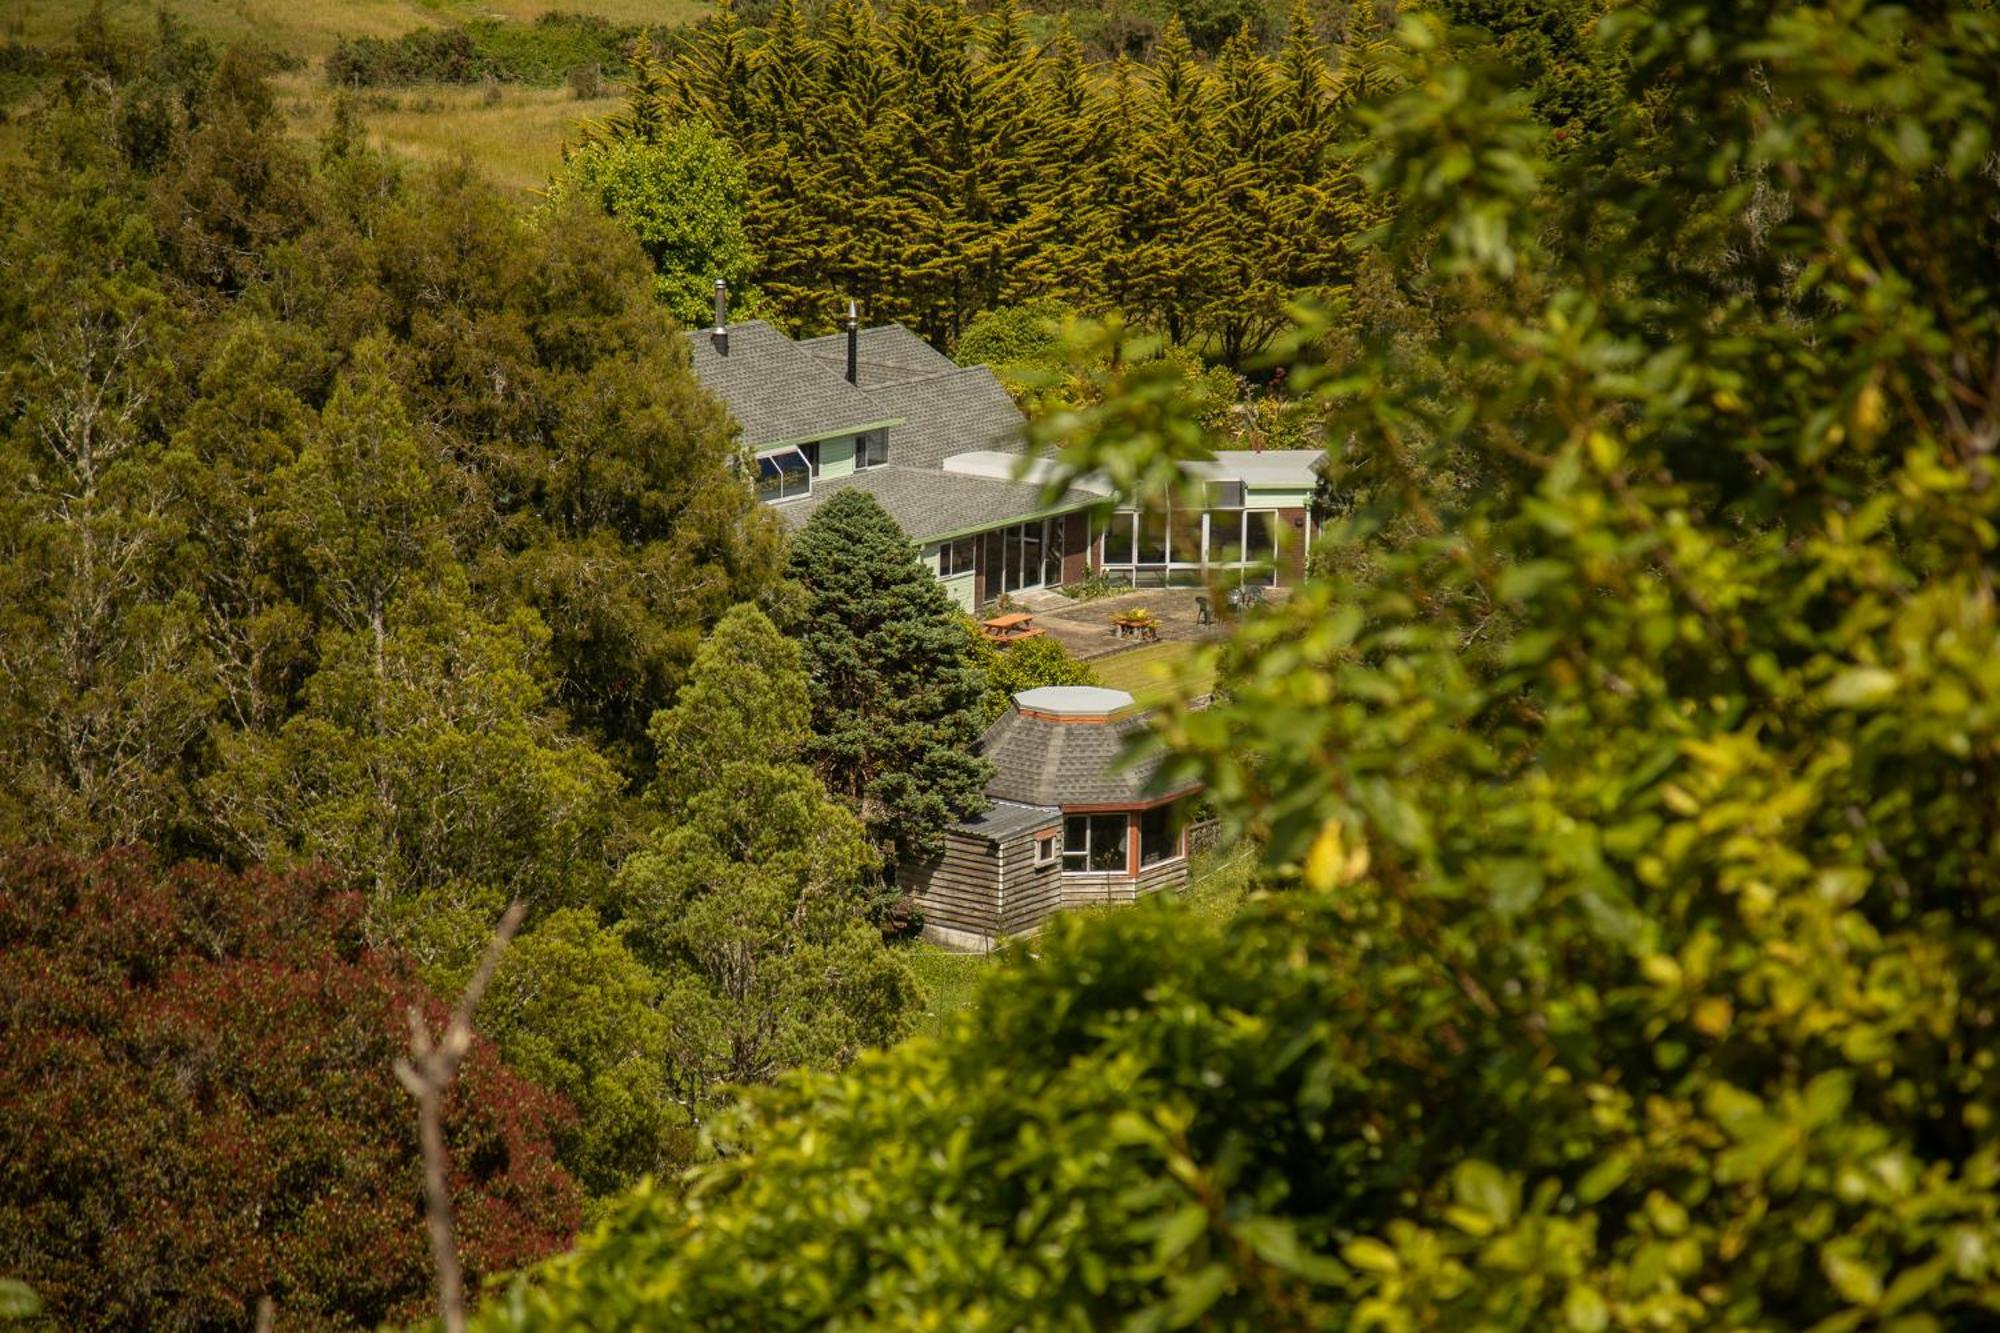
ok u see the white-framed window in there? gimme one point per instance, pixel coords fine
(1095, 844)
(1046, 847)
(1172, 546)
(959, 557)
(784, 474)
(871, 449)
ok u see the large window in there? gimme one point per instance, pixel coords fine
(1118, 539)
(1026, 555)
(871, 449)
(784, 475)
(958, 557)
(1159, 840)
(1095, 844)
(1175, 546)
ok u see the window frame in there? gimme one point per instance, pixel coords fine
(1089, 853)
(806, 466)
(1048, 848)
(953, 562)
(1161, 820)
(871, 449)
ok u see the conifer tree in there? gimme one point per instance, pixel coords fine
(1176, 218)
(649, 97)
(712, 78)
(751, 899)
(896, 694)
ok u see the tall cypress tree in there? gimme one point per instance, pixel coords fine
(1180, 223)
(897, 696)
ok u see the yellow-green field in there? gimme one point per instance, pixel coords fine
(310, 27)
(517, 139)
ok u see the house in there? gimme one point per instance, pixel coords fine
(1068, 823)
(941, 447)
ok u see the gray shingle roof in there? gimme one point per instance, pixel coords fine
(1006, 819)
(783, 391)
(1038, 762)
(928, 504)
(777, 391)
(953, 413)
(886, 354)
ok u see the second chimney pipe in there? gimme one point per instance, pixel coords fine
(853, 345)
(719, 335)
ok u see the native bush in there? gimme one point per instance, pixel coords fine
(1626, 950)
(201, 1110)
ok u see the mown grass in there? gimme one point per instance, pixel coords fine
(1150, 673)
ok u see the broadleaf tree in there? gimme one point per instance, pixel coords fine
(751, 899)
(1635, 970)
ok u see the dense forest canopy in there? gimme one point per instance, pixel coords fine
(1622, 786)
(361, 533)
(1619, 786)
(934, 166)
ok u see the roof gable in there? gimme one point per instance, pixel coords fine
(885, 354)
(776, 391)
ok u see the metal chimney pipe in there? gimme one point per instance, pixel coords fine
(719, 335)
(853, 345)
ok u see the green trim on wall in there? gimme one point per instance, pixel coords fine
(884, 424)
(1008, 522)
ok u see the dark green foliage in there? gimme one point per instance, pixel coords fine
(545, 52)
(426, 55)
(751, 899)
(895, 691)
(349, 518)
(1627, 950)
(201, 1111)
(935, 167)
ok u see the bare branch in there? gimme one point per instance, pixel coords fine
(427, 1075)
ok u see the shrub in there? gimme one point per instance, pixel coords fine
(201, 1110)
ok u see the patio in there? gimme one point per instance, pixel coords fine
(1085, 627)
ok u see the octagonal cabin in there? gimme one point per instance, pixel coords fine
(1068, 823)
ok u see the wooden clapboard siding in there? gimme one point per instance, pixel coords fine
(960, 889)
(1093, 889)
(1032, 893)
(1165, 874)
(1086, 890)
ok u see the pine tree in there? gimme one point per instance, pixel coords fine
(895, 692)
(751, 898)
(712, 77)
(1177, 217)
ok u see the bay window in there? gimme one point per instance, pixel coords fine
(1095, 844)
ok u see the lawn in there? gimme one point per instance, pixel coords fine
(1151, 673)
(948, 981)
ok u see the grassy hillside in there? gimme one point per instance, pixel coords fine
(514, 132)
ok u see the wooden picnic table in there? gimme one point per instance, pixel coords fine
(1008, 628)
(1142, 624)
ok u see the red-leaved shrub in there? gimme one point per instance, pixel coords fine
(197, 1106)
